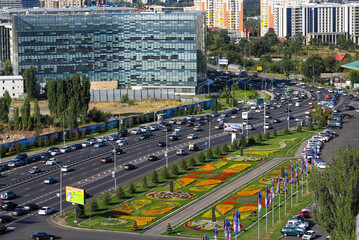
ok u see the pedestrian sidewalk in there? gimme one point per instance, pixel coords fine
(198, 206)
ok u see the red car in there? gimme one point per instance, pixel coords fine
(189, 124)
(311, 106)
(306, 214)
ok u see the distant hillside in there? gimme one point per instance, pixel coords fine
(251, 8)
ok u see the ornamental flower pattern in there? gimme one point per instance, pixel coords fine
(185, 181)
(207, 167)
(170, 195)
(238, 158)
(161, 208)
(251, 190)
(124, 208)
(237, 168)
(140, 203)
(141, 221)
(224, 208)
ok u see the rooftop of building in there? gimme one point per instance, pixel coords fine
(352, 65)
(9, 78)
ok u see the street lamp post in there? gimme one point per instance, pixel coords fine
(166, 151)
(288, 116)
(114, 164)
(264, 118)
(154, 107)
(63, 124)
(61, 213)
(209, 132)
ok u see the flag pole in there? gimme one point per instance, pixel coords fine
(285, 201)
(297, 189)
(302, 183)
(279, 206)
(272, 213)
(258, 222)
(266, 218)
(291, 193)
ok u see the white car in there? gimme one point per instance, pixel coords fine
(66, 168)
(102, 139)
(249, 127)
(52, 161)
(179, 129)
(309, 235)
(136, 131)
(86, 144)
(55, 152)
(122, 142)
(65, 149)
(234, 116)
(143, 129)
(321, 165)
(192, 136)
(330, 90)
(258, 110)
(298, 119)
(45, 210)
(307, 112)
(153, 127)
(180, 152)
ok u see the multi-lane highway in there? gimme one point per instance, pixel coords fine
(95, 177)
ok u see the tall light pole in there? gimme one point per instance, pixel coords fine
(119, 117)
(63, 124)
(114, 164)
(60, 189)
(209, 132)
(288, 116)
(154, 106)
(166, 150)
(264, 118)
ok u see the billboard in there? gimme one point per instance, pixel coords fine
(223, 61)
(75, 195)
(259, 68)
(232, 127)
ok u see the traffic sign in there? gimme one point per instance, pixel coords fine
(113, 174)
(206, 143)
(165, 153)
(58, 194)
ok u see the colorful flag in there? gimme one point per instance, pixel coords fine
(259, 201)
(291, 176)
(296, 171)
(286, 181)
(206, 237)
(278, 186)
(238, 221)
(272, 192)
(225, 229)
(215, 233)
(235, 222)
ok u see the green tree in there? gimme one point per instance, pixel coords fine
(251, 140)
(144, 182)
(201, 158)
(354, 77)
(174, 170)
(16, 118)
(30, 81)
(310, 126)
(299, 128)
(7, 99)
(336, 194)
(80, 211)
(259, 137)
(51, 93)
(192, 161)
(130, 124)
(282, 173)
(286, 131)
(154, 177)
(183, 165)
(165, 174)
(131, 188)
(2, 150)
(120, 194)
(217, 151)
(313, 67)
(25, 113)
(85, 92)
(4, 111)
(72, 114)
(171, 186)
(106, 198)
(37, 114)
(7, 69)
(267, 135)
(18, 148)
(93, 205)
(209, 155)
(241, 151)
(76, 92)
(275, 132)
(243, 142)
(214, 218)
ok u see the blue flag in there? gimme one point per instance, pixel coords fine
(259, 201)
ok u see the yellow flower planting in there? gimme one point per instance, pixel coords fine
(224, 208)
(140, 203)
(125, 208)
(260, 153)
(140, 220)
(161, 208)
(208, 182)
(251, 190)
(238, 167)
(219, 164)
(185, 181)
(247, 208)
(176, 185)
(202, 188)
(207, 167)
(208, 214)
(244, 215)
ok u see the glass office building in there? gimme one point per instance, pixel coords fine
(145, 49)
(19, 3)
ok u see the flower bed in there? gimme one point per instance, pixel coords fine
(170, 195)
(224, 208)
(202, 172)
(208, 182)
(207, 167)
(124, 208)
(185, 181)
(161, 208)
(208, 214)
(237, 168)
(251, 190)
(206, 225)
(202, 188)
(261, 153)
(191, 175)
(141, 221)
(231, 202)
(244, 215)
(140, 203)
(248, 208)
(113, 222)
(238, 158)
(176, 185)
(218, 164)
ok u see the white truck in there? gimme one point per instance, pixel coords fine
(246, 115)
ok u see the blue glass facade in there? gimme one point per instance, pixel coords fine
(141, 49)
(19, 3)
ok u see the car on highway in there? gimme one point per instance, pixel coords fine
(167, 129)
(5, 218)
(30, 206)
(50, 180)
(153, 158)
(292, 231)
(22, 156)
(193, 147)
(189, 124)
(197, 129)
(181, 152)
(268, 125)
(161, 144)
(45, 211)
(106, 160)
(54, 151)
(42, 236)
(52, 161)
(173, 137)
(86, 144)
(249, 127)
(66, 168)
(153, 127)
(116, 150)
(76, 146)
(18, 211)
(309, 235)
(4, 167)
(123, 132)
(7, 195)
(218, 127)
(144, 129)
(349, 108)
(129, 166)
(179, 129)
(136, 131)
(15, 163)
(45, 156)
(146, 135)
(122, 142)
(34, 158)
(92, 140)
(113, 137)
(192, 136)
(34, 170)
(276, 120)
(99, 144)
(65, 149)
(299, 119)
(101, 139)
(8, 205)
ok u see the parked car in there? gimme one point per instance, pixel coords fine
(153, 158)
(309, 235)
(306, 214)
(99, 144)
(292, 231)
(65, 149)
(4, 167)
(136, 131)
(5, 218)
(52, 161)
(54, 151)
(66, 168)
(197, 129)
(86, 144)
(42, 235)
(50, 180)
(18, 211)
(106, 160)
(116, 150)
(30, 206)
(7, 195)
(34, 170)
(45, 210)
(76, 146)
(129, 166)
(8, 205)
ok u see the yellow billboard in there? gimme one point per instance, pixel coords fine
(259, 68)
(75, 195)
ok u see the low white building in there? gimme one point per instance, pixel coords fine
(13, 84)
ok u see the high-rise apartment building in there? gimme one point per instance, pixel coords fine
(141, 49)
(226, 14)
(323, 21)
(18, 3)
(266, 11)
(68, 3)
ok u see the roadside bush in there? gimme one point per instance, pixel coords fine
(80, 210)
(93, 206)
(251, 140)
(183, 165)
(131, 188)
(310, 126)
(171, 186)
(209, 155)
(2, 150)
(192, 161)
(267, 135)
(120, 194)
(259, 137)
(286, 131)
(217, 151)
(175, 170)
(165, 174)
(201, 158)
(154, 177)
(299, 128)
(275, 133)
(144, 182)
(106, 198)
